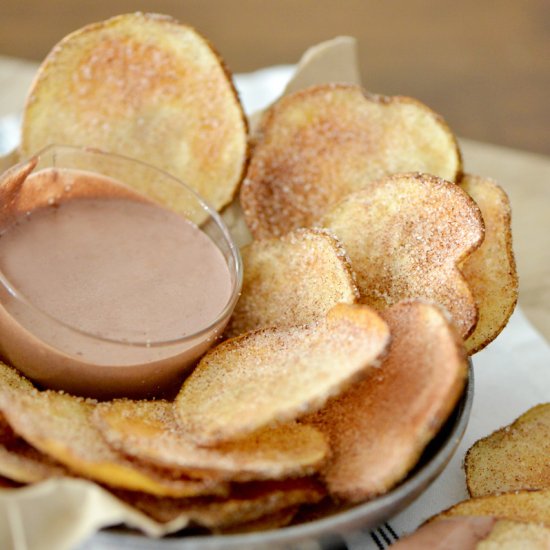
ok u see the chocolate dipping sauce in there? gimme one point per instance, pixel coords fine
(108, 279)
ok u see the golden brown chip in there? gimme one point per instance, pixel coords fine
(510, 535)
(526, 506)
(459, 533)
(491, 269)
(378, 429)
(479, 533)
(291, 280)
(275, 375)
(405, 236)
(147, 87)
(246, 503)
(148, 430)
(319, 144)
(276, 520)
(512, 458)
(24, 464)
(60, 426)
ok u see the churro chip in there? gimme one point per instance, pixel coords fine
(274, 375)
(144, 86)
(291, 280)
(378, 429)
(317, 145)
(481, 533)
(148, 430)
(405, 236)
(510, 535)
(268, 522)
(526, 506)
(246, 503)
(60, 426)
(512, 458)
(22, 463)
(491, 269)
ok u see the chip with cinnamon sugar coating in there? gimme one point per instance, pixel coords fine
(378, 429)
(22, 463)
(274, 375)
(406, 235)
(491, 269)
(291, 280)
(60, 426)
(246, 503)
(148, 431)
(527, 506)
(513, 458)
(317, 145)
(148, 87)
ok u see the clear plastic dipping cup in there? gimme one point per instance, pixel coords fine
(61, 355)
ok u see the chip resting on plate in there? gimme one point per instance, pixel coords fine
(148, 430)
(60, 426)
(378, 429)
(246, 503)
(317, 145)
(275, 375)
(491, 269)
(406, 236)
(291, 280)
(147, 87)
(513, 458)
(527, 506)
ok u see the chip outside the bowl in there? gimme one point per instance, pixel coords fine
(149, 431)
(525, 506)
(406, 236)
(275, 375)
(491, 269)
(148, 87)
(316, 145)
(479, 533)
(516, 457)
(291, 280)
(378, 429)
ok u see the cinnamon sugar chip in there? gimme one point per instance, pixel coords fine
(148, 88)
(148, 430)
(60, 426)
(270, 521)
(246, 503)
(513, 458)
(405, 236)
(479, 532)
(317, 145)
(292, 280)
(22, 463)
(378, 429)
(274, 375)
(491, 269)
(526, 506)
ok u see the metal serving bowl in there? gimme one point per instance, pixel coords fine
(323, 531)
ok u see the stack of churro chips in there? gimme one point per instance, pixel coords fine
(377, 267)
